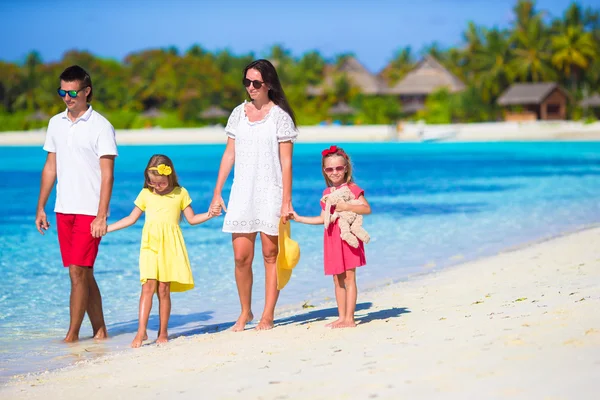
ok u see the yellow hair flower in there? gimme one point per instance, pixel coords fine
(162, 169)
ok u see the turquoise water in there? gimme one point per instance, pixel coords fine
(433, 205)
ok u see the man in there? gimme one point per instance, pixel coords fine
(81, 150)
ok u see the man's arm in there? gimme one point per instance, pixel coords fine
(107, 168)
(46, 185)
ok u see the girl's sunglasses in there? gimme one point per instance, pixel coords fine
(330, 170)
(72, 93)
(256, 84)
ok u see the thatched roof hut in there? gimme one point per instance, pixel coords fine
(152, 113)
(591, 102)
(544, 100)
(356, 73)
(214, 112)
(529, 93)
(341, 109)
(425, 78)
(39, 115)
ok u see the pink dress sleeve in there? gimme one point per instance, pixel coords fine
(356, 190)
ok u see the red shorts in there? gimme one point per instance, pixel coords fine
(77, 245)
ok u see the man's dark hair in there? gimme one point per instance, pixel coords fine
(76, 73)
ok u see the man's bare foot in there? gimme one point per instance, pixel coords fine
(162, 338)
(264, 324)
(345, 324)
(71, 338)
(331, 324)
(138, 340)
(101, 333)
(241, 322)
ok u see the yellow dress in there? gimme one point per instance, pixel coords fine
(163, 255)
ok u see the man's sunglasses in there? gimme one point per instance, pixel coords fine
(330, 170)
(72, 93)
(257, 84)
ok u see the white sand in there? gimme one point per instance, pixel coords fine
(411, 132)
(523, 324)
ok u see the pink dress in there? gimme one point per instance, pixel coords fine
(338, 255)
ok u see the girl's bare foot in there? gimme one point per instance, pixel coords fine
(345, 324)
(331, 324)
(138, 340)
(241, 322)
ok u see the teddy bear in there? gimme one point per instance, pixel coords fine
(350, 223)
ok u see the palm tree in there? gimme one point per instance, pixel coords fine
(27, 99)
(531, 53)
(525, 14)
(309, 69)
(10, 81)
(283, 61)
(573, 50)
(492, 64)
(435, 51)
(400, 65)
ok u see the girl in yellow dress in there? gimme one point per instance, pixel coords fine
(164, 263)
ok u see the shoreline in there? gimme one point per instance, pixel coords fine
(539, 297)
(408, 132)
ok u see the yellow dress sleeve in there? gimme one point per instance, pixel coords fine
(186, 200)
(141, 200)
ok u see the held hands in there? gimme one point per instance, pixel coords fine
(287, 212)
(214, 210)
(295, 217)
(98, 227)
(41, 222)
(216, 205)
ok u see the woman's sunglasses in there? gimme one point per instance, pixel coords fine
(256, 84)
(330, 170)
(72, 93)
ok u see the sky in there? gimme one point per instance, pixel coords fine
(374, 30)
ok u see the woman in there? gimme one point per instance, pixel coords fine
(260, 140)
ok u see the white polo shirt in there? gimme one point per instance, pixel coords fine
(78, 146)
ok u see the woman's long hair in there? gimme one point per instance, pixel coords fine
(270, 77)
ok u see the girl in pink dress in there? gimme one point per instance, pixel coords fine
(341, 259)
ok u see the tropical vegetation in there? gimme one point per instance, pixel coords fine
(170, 88)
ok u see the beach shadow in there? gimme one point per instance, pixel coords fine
(316, 315)
(153, 322)
(382, 315)
(201, 330)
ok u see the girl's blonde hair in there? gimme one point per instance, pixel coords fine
(336, 151)
(155, 161)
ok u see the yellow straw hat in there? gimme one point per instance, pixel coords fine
(288, 256)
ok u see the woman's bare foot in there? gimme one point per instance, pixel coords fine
(162, 338)
(138, 340)
(241, 322)
(264, 324)
(345, 324)
(331, 324)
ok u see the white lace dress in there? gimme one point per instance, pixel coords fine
(256, 195)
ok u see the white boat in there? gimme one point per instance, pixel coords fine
(435, 134)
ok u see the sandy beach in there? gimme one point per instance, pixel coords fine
(523, 324)
(407, 132)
